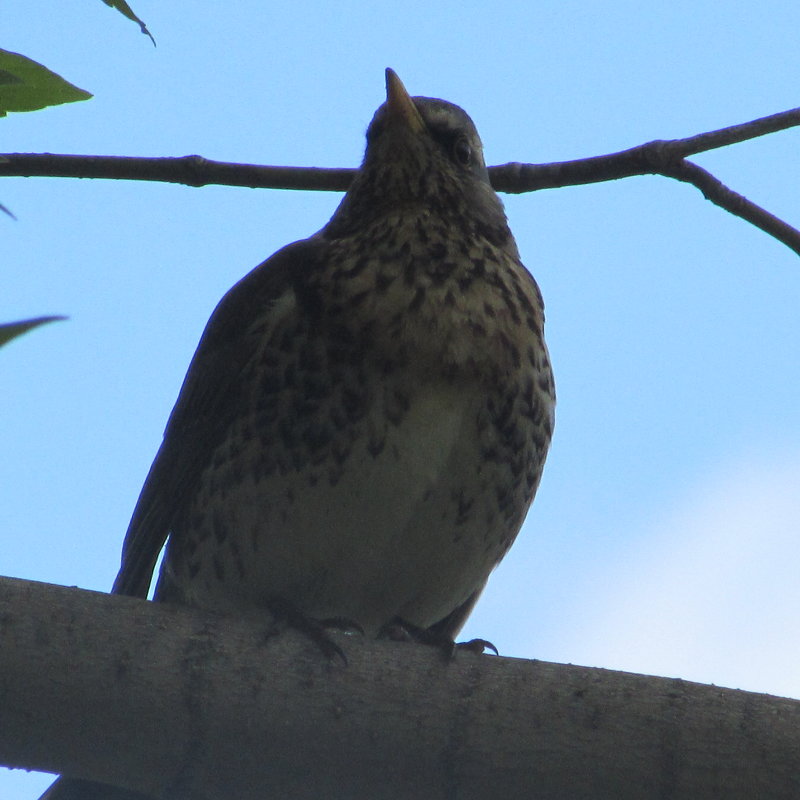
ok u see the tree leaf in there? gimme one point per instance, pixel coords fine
(11, 330)
(26, 85)
(125, 9)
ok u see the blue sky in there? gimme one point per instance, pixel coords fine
(665, 536)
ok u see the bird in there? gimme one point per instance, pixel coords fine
(364, 423)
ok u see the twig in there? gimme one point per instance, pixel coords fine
(660, 157)
(666, 158)
(188, 170)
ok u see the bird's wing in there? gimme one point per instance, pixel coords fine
(208, 400)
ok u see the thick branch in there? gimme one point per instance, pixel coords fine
(174, 702)
(654, 158)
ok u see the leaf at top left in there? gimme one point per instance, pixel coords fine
(26, 85)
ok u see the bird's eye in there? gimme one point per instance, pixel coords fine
(462, 151)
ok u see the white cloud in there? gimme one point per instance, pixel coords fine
(714, 594)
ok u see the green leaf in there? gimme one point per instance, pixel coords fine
(125, 9)
(11, 330)
(26, 85)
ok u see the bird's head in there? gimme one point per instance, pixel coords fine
(422, 134)
(421, 152)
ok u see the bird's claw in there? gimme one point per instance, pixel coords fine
(399, 630)
(479, 646)
(313, 629)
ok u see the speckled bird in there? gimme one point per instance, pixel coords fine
(364, 424)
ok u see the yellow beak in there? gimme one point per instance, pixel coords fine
(400, 103)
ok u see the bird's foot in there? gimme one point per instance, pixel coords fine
(399, 630)
(317, 630)
(479, 646)
(342, 624)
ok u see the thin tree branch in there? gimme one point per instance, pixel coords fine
(714, 190)
(178, 703)
(188, 170)
(653, 158)
(660, 157)
(739, 133)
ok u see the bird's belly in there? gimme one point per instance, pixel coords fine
(409, 526)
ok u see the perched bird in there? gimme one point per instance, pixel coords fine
(363, 426)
